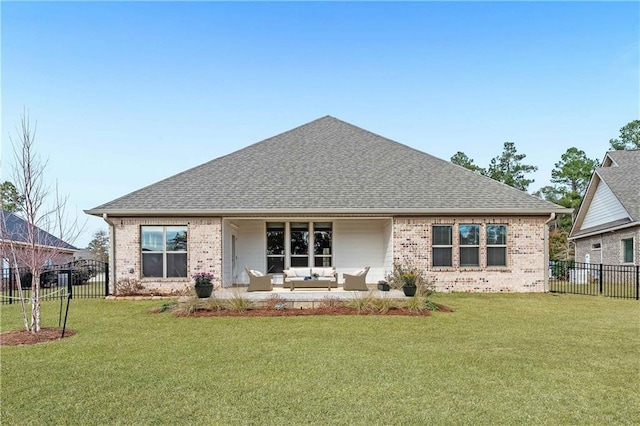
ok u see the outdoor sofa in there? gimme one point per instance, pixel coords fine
(310, 278)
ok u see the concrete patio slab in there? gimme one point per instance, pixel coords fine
(305, 294)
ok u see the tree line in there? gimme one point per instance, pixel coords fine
(569, 179)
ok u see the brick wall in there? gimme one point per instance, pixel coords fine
(610, 251)
(204, 250)
(525, 271)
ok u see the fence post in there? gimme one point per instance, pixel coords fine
(600, 278)
(637, 282)
(106, 279)
(69, 284)
(10, 285)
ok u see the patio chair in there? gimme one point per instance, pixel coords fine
(356, 281)
(259, 281)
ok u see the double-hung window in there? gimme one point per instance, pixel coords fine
(627, 250)
(164, 251)
(469, 245)
(442, 243)
(496, 245)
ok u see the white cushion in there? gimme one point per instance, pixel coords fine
(359, 272)
(323, 272)
(257, 273)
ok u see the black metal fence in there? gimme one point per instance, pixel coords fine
(619, 281)
(80, 279)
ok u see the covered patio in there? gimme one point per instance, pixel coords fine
(270, 245)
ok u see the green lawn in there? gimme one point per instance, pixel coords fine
(498, 359)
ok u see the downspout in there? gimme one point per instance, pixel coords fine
(112, 249)
(552, 217)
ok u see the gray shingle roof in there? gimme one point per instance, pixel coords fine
(14, 228)
(326, 166)
(624, 179)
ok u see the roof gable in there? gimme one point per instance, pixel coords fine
(327, 165)
(612, 198)
(14, 228)
(604, 208)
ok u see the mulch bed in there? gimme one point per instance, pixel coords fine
(330, 310)
(48, 334)
(22, 337)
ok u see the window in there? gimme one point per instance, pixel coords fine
(442, 245)
(469, 245)
(627, 250)
(595, 246)
(299, 244)
(275, 247)
(164, 251)
(496, 245)
(322, 238)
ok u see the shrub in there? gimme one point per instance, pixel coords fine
(128, 287)
(382, 305)
(166, 306)
(274, 302)
(408, 274)
(361, 303)
(330, 303)
(189, 307)
(238, 302)
(415, 304)
(213, 303)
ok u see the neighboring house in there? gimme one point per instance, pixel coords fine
(607, 227)
(330, 194)
(86, 254)
(13, 234)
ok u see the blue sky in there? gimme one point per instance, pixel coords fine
(128, 93)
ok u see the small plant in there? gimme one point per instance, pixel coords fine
(203, 278)
(128, 287)
(430, 305)
(383, 285)
(213, 304)
(382, 305)
(415, 304)
(362, 303)
(188, 307)
(315, 275)
(405, 274)
(330, 303)
(274, 302)
(238, 303)
(166, 306)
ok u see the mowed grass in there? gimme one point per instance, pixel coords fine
(498, 359)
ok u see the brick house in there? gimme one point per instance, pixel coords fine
(330, 194)
(13, 236)
(606, 229)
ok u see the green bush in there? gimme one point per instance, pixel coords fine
(410, 275)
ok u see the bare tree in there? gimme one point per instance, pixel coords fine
(42, 232)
